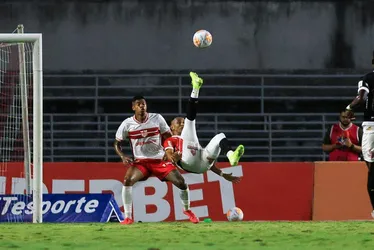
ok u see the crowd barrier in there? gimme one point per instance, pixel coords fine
(268, 191)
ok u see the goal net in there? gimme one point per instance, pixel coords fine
(20, 119)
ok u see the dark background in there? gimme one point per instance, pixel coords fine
(277, 66)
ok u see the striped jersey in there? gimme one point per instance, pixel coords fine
(144, 137)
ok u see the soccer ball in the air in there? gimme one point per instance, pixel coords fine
(202, 39)
(235, 214)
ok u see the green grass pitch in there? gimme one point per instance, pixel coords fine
(184, 235)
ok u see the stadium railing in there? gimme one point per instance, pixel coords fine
(287, 121)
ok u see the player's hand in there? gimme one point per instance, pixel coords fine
(165, 158)
(175, 157)
(127, 160)
(231, 178)
(347, 143)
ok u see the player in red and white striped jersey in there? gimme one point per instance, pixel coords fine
(145, 132)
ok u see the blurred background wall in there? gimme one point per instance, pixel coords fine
(157, 35)
(276, 75)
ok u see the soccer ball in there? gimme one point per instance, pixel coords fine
(235, 214)
(202, 39)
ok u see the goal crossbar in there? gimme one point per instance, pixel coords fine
(29, 37)
(37, 187)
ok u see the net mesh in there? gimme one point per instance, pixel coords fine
(13, 77)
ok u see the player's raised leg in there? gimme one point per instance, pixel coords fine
(189, 129)
(196, 82)
(177, 179)
(219, 143)
(233, 156)
(132, 176)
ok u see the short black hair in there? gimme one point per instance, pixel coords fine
(138, 97)
(344, 110)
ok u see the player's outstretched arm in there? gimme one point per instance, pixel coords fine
(226, 176)
(358, 100)
(125, 159)
(172, 156)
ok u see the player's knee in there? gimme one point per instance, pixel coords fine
(221, 135)
(129, 181)
(180, 183)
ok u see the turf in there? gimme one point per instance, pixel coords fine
(184, 235)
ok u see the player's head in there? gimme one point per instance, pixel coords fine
(177, 125)
(345, 118)
(139, 105)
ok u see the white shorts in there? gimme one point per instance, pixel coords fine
(191, 151)
(195, 158)
(368, 141)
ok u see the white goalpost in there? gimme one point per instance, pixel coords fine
(25, 111)
(21, 72)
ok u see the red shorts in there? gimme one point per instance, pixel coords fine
(158, 168)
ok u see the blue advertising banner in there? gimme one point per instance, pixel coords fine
(61, 208)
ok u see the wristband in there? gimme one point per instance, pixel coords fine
(221, 174)
(348, 107)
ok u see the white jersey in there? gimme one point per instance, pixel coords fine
(195, 159)
(192, 154)
(144, 137)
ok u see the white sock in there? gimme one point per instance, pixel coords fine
(229, 153)
(127, 200)
(195, 93)
(185, 198)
